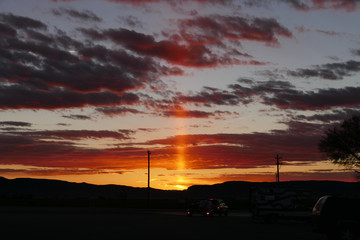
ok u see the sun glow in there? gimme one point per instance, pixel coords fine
(180, 187)
(181, 157)
(180, 144)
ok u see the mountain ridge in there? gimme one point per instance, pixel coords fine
(237, 194)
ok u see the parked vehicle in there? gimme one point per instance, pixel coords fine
(208, 208)
(338, 217)
(270, 204)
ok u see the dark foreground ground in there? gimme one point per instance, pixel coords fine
(102, 223)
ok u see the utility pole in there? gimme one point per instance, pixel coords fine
(277, 168)
(148, 188)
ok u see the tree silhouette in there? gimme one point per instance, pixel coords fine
(342, 145)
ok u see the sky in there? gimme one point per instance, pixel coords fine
(213, 89)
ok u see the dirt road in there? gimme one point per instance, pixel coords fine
(90, 223)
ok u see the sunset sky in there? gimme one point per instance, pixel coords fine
(214, 89)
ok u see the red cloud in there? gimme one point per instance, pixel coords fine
(244, 150)
(348, 5)
(188, 55)
(203, 151)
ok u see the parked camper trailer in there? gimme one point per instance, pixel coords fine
(270, 204)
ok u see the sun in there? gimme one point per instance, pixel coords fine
(180, 187)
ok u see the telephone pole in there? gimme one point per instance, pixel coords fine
(148, 188)
(277, 168)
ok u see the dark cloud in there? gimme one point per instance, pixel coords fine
(16, 96)
(63, 124)
(243, 92)
(78, 134)
(57, 171)
(209, 96)
(300, 5)
(116, 111)
(39, 70)
(181, 113)
(148, 129)
(355, 52)
(334, 116)
(329, 71)
(132, 21)
(281, 94)
(77, 117)
(329, 33)
(62, 69)
(348, 5)
(216, 28)
(15, 124)
(85, 15)
(308, 5)
(6, 31)
(198, 41)
(20, 22)
(121, 134)
(322, 99)
(169, 50)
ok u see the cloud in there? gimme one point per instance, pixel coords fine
(60, 148)
(214, 29)
(355, 52)
(38, 171)
(336, 115)
(322, 99)
(311, 5)
(242, 92)
(33, 151)
(55, 148)
(204, 151)
(281, 94)
(181, 113)
(173, 52)
(209, 96)
(20, 22)
(132, 21)
(15, 124)
(117, 111)
(199, 42)
(43, 70)
(121, 134)
(348, 5)
(79, 134)
(300, 5)
(59, 68)
(17, 96)
(6, 31)
(329, 71)
(85, 15)
(77, 117)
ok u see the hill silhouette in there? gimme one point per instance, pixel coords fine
(28, 191)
